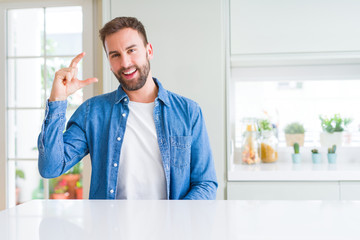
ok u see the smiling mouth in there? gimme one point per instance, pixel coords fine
(129, 73)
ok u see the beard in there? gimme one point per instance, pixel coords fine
(136, 83)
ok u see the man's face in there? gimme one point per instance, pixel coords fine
(129, 58)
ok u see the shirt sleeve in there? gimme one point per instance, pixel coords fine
(203, 176)
(60, 150)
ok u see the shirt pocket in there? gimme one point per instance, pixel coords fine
(180, 150)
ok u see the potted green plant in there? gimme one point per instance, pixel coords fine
(333, 130)
(316, 156)
(332, 154)
(20, 173)
(296, 157)
(72, 177)
(58, 188)
(294, 133)
(264, 125)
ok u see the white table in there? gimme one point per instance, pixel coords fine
(108, 219)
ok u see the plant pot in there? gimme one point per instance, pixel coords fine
(17, 195)
(79, 193)
(294, 138)
(331, 158)
(71, 180)
(296, 158)
(59, 195)
(316, 158)
(329, 139)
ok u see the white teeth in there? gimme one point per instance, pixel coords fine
(130, 72)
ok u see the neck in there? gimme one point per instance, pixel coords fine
(146, 94)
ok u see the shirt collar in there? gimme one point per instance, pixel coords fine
(162, 93)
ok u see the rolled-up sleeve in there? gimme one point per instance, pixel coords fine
(59, 150)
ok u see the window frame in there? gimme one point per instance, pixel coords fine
(88, 91)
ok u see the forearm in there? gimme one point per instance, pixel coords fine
(50, 142)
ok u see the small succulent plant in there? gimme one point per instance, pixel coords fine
(296, 148)
(332, 149)
(314, 151)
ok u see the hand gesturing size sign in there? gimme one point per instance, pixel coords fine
(66, 81)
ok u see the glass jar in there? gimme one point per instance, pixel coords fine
(268, 146)
(250, 142)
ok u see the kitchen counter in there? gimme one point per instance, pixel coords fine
(109, 219)
(285, 171)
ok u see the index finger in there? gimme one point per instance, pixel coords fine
(77, 59)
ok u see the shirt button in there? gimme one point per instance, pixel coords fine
(115, 164)
(125, 99)
(111, 191)
(124, 114)
(119, 138)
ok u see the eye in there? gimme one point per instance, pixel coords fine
(132, 50)
(115, 55)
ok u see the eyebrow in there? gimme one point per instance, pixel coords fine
(131, 46)
(113, 52)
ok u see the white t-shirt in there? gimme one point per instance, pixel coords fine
(141, 173)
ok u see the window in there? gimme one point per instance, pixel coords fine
(296, 93)
(284, 102)
(39, 42)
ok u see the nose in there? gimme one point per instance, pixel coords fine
(125, 61)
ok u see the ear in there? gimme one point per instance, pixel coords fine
(149, 51)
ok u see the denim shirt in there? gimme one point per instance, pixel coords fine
(97, 128)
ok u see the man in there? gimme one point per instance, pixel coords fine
(144, 141)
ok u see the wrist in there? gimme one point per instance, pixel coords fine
(53, 99)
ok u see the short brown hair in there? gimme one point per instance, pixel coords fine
(119, 23)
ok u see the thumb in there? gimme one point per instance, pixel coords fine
(88, 81)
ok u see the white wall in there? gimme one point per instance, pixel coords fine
(189, 57)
